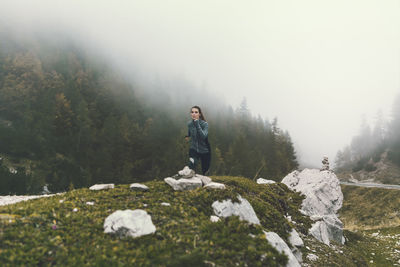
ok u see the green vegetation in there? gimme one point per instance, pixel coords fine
(69, 120)
(46, 231)
(375, 152)
(370, 208)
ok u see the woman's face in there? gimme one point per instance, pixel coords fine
(195, 114)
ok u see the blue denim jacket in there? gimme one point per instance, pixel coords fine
(198, 133)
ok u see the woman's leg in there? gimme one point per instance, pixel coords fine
(205, 162)
(193, 158)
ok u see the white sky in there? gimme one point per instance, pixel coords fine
(316, 65)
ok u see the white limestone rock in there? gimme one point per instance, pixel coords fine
(215, 185)
(165, 204)
(204, 179)
(133, 223)
(277, 242)
(296, 242)
(243, 209)
(312, 257)
(323, 200)
(138, 187)
(186, 172)
(101, 186)
(183, 183)
(265, 181)
(214, 218)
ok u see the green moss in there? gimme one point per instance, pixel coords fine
(48, 232)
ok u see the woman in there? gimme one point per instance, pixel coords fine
(199, 146)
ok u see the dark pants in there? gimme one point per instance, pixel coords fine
(194, 157)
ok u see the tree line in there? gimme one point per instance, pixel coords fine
(368, 146)
(69, 121)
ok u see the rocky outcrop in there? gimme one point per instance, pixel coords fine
(243, 209)
(277, 242)
(101, 186)
(323, 200)
(186, 179)
(129, 223)
(183, 183)
(296, 242)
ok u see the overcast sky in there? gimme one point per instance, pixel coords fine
(316, 65)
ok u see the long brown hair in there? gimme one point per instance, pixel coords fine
(201, 113)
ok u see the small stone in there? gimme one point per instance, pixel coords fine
(139, 187)
(101, 186)
(214, 218)
(165, 204)
(132, 223)
(90, 203)
(214, 185)
(265, 181)
(312, 257)
(75, 210)
(61, 200)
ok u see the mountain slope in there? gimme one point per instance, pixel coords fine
(48, 231)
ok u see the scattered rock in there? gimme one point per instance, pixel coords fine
(133, 223)
(297, 243)
(138, 187)
(243, 209)
(204, 179)
(312, 257)
(323, 200)
(294, 239)
(90, 203)
(101, 186)
(277, 242)
(214, 218)
(75, 210)
(186, 172)
(184, 184)
(165, 204)
(215, 185)
(265, 181)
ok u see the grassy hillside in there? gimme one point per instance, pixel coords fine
(370, 208)
(47, 231)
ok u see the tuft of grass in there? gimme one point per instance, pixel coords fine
(47, 231)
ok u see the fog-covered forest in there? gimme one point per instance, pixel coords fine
(68, 119)
(371, 142)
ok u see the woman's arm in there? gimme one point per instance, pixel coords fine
(202, 132)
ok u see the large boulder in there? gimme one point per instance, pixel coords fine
(277, 242)
(323, 200)
(243, 209)
(133, 223)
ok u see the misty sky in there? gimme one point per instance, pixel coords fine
(316, 65)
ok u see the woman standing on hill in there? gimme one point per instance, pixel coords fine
(199, 146)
